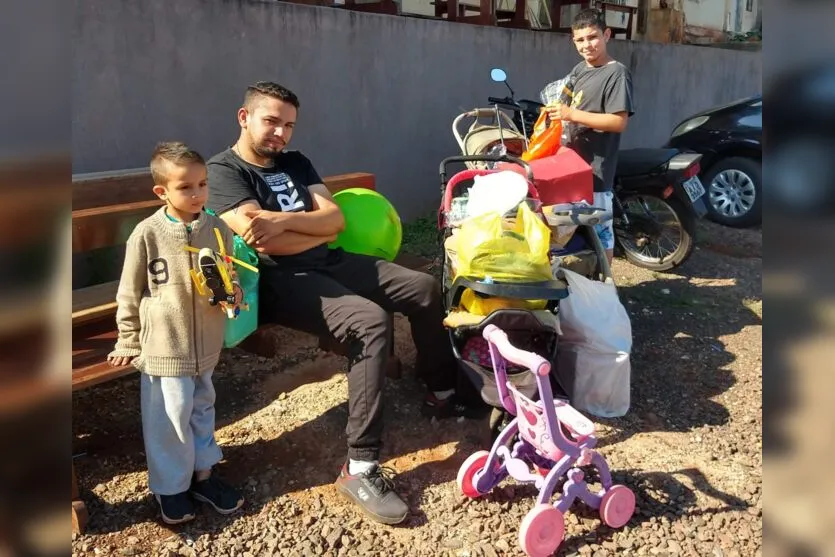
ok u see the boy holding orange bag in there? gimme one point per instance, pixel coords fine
(599, 110)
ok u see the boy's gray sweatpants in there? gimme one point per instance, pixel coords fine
(178, 427)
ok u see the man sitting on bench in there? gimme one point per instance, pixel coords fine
(277, 202)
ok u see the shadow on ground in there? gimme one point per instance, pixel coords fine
(308, 456)
(679, 362)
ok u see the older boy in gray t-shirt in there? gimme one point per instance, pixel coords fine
(600, 107)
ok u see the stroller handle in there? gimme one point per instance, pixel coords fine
(483, 158)
(534, 362)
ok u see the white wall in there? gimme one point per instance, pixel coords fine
(720, 15)
(419, 7)
(749, 19)
(706, 13)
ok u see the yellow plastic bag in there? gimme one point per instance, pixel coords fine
(506, 251)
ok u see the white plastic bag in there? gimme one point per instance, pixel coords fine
(560, 91)
(596, 342)
(597, 382)
(500, 192)
(594, 316)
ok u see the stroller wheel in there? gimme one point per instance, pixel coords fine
(542, 531)
(617, 506)
(466, 473)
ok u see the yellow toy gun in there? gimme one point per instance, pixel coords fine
(216, 276)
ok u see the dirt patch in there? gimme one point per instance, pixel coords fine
(690, 447)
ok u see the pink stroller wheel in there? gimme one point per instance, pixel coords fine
(617, 506)
(542, 531)
(474, 463)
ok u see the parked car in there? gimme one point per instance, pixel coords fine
(729, 138)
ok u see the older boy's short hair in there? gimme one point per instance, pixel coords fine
(171, 152)
(269, 89)
(589, 18)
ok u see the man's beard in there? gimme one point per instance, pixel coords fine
(266, 151)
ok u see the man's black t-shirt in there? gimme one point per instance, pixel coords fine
(282, 187)
(604, 89)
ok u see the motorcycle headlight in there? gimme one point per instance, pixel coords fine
(688, 125)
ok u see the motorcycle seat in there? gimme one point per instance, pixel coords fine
(637, 162)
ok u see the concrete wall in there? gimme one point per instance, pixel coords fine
(378, 92)
(33, 98)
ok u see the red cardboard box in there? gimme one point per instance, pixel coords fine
(561, 178)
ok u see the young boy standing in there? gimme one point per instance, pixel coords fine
(173, 336)
(600, 108)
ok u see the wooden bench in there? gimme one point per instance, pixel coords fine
(106, 208)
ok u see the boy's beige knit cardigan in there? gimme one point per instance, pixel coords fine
(170, 329)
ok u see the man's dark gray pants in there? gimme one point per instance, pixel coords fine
(350, 300)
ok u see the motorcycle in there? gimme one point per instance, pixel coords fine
(657, 194)
(657, 199)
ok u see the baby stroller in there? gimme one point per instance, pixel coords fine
(490, 132)
(535, 330)
(508, 354)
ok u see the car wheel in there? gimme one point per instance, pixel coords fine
(734, 192)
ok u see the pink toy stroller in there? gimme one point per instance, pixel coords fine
(552, 440)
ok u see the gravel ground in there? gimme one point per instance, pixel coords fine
(690, 447)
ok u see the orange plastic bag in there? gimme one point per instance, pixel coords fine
(546, 138)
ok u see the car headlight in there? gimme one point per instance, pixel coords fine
(688, 125)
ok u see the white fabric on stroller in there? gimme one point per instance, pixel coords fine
(595, 345)
(500, 192)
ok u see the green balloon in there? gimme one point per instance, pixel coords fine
(372, 226)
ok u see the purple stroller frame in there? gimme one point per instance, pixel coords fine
(543, 443)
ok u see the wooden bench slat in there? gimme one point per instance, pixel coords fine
(106, 189)
(98, 373)
(91, 344)
(94, 302)
(341, 182)
(93, 352)
(104, 227)
(96, 189)
(107, 207)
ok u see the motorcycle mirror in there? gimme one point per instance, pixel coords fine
(498, 75)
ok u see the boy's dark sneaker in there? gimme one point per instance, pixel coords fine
(176, 509)
(374, 492)
(451, 407)
(224, 498)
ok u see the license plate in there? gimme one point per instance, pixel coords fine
(694, 188)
